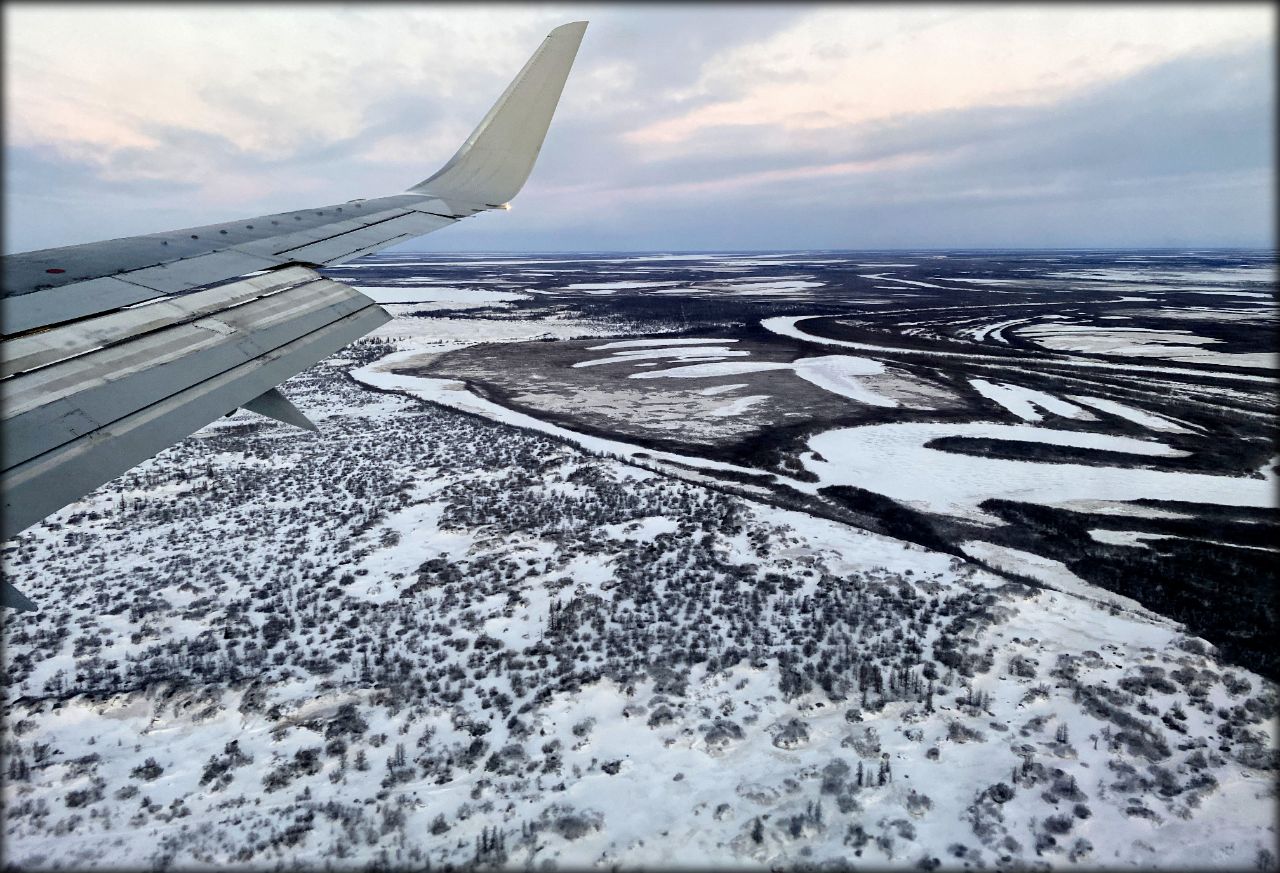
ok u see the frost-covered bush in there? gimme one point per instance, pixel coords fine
(660, 716)
(1000, 792)
(1058, 824)
(722, 732)
(148, 770)
(793, 734)
(834, 776)
(917, 803)
(1021, 665)
(569, 823)
(865, 741)
(961, 733)
(346, 722)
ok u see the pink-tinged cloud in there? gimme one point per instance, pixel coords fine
(840, 67)
(694, 126)
(744, 183)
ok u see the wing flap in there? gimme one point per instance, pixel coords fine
(126, 375)
(56, 344)
(72, 425)
(56, 305)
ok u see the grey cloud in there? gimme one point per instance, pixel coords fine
(1194, 117)
(1196, 114)
(1179, 153)
(668, 51)
(1176, 154)
(51, 201)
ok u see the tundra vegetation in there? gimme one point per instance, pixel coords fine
(422, 637)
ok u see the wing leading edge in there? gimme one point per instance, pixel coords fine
(115, 350)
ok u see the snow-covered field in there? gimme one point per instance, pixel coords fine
(385, 375)
(895, 460)
(707, 371)
(862, 380)
(844, 375)
(446, 632)
(1137, 416)
(756, 287)
(998, 729)
(1023, 402)
(678, 354)
(789, 326)
(610, 287)
(436, 297)
(655, 342)
(1161, 275)
(1138, 343)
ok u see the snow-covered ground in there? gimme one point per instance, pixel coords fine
(1000, 731)
(788, 325)
(450, 633)
(862, 380)
(611, 287)
(670, 353)
(784, 287)
(895, 460)
(652, 342)
(1135, 342)
(441, 297)
(385, 375)
(707, 371)
(1137, 416)
(1163, 275)
(844, 375)
(1023, 402)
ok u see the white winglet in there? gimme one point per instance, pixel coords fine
(492, 165)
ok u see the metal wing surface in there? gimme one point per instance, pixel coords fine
(114, 350)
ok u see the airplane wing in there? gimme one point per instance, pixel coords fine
(112, 351)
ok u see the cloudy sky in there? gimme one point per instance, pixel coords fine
(682, 127)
